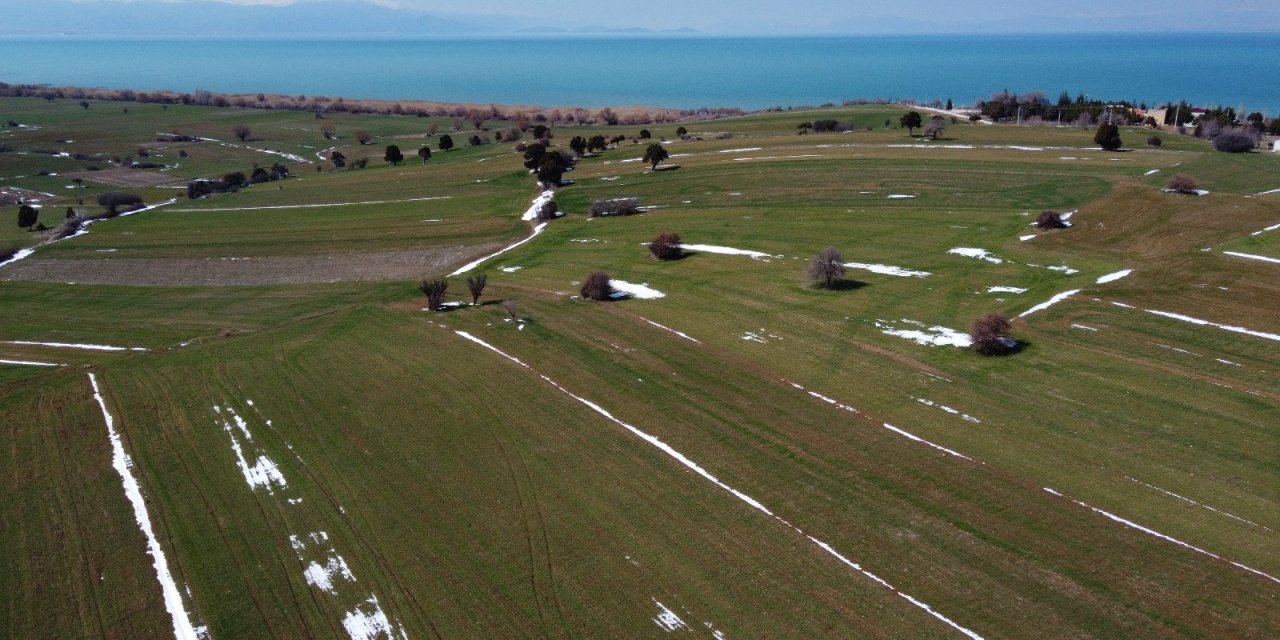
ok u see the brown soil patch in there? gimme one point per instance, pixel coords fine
(269, 270)
(125, 177)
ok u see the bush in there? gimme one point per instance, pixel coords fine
(596, 286)
(1108, 137)
(434, 289)
(615, 207)
(1182, 183)
(666, 246)
(1154, 141)
(475, 284)
(990, 335)
(1050, 220)
(548, 210)
(826, 268)
(113, 200)
(1235, 140)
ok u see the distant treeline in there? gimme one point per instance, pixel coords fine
(322, 104)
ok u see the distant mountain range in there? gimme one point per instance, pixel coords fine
(346, 18)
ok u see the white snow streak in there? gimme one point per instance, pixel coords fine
(639, 291)
(1270, 228)
(1225, 327)
(368, 622)
(471, 265)
(1151, 172)
(1049, 303)
(679, 457)
(311, 206)
(666, 328)
(22, 253)
(1198, 504)
(972, 252)
(1252, 256)
(543, 198)
(932, 336)
(31, 363)
(73, 345)
(263, 472)
(1153, 532)
(667, 619)
(710, 248)
(887, 270)
(1112, 277)
(182, 627)
(1006, 290)
(1027, 237)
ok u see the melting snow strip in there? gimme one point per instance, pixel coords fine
(539, 202)
(638, 291)
(933, 336)
(1112, 277)
(971, 252)
(22, 253)
(1252, 256)
(471, 265)
(1006, 290)
(1050, 302)
(1225, 327)
(31, 363)
(730, 251)
(1270, 228)
(369, 622)
(690, 464)
(667, 619)
(73, 345)
(1027, 237)
(263, 472)
(666, 328)
(311, 206)
(887, 270)
(955, 412)
(182, 627)
(1151, 172)
(1153, 532)
(905, 434)
(1198, 504)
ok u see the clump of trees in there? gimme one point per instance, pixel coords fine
(1108, 137)
(666, 246)
(1183, 183)
(1050, 220)
(234, 180)
(433, 289)
(653, 154)
(475, 285)
(615, 207)
(827, 268)
(596, 286)
(393, 155)
(1235, 140)
(990, 335)
(28, 216)
(113, 200)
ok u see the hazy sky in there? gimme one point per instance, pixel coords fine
(836, 16)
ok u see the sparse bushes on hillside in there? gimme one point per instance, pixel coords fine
(433, 289)
(113, 200)
(1183, 183)
(666, 246)
(990, 335)
(826, 268)
(1050, 220)
(1235, 140)
(615, 207)
(596, 286)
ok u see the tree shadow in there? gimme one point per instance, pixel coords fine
(669, 167)
(1014, 348)
(846, 284)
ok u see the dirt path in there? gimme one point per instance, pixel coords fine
(266, 270)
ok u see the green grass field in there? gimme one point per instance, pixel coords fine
(745, 457)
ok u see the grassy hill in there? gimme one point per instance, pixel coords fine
(746, 456)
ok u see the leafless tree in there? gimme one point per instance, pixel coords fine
(1182, 183)
(1050, 220)
(434, 289)
(510, 307)
(362, 136)
(990, 335)
(475, 284)
(826, 268)
(666, 246)
(241, 131)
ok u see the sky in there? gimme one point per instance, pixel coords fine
(780, 17)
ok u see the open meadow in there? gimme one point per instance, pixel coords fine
(232, 417)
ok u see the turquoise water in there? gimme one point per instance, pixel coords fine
(684, 72)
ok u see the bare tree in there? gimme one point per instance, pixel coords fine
(362, 136)
(826, 268)
(936, 125)
(990, 335)
(1050, 220)
(434, 289)
(241, 131)
(510, 307)
(1182, 183)
(596, 286)
(329, 131)
(475, 284)
(666, 246)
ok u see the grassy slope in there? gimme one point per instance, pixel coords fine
(475, 499)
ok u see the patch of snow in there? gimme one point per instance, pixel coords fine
(955, 412)
(667, 620)
(510, 269)
(543, 198)
(475, 263)
(1064, 269)
(971, 252)
(311, 206)
(1112, 277)
(1050, 302)
(742, 150)
(1083, 327)
(999, 289)
(72, 345)
(368, 622)
(1121, 304)
(1018, 148)
(730, 251)
(887, 270)
(899, 196)
(638, 291)
(1270, 228)
(1027, 237)
(1198, 504)
(1251, 256)
(666, 328)
(183, 629)
(29, 363)
(1225, 327)
(752, 337)
(932, 336)
(1157, 534)
(22, 253)
(322, 576)
(1199, 192)
(912, 436)
(263, 472)
(1151, 172)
